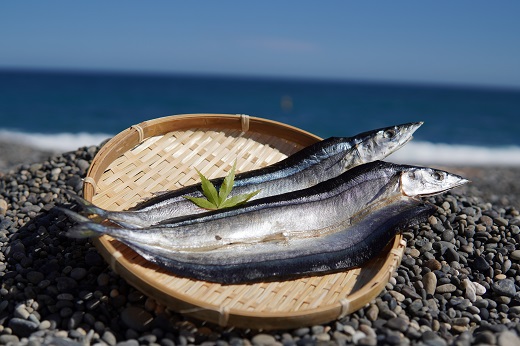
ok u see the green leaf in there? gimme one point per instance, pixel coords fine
(219, 200)
(227, 184)
(209, 190)
(202, 202)
(237, 200)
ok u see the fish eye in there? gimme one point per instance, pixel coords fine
(438, 176)
(389, 134)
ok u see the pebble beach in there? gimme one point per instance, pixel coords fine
(458, 282)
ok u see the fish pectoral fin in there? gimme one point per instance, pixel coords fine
(276, 237)
(159, 193)
(271, 238)
(153, 195)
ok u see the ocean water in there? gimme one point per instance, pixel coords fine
(62, 111)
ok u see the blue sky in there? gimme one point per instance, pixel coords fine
(462, 42)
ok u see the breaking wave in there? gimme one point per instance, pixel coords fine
(425, 153)
(60, 142)
(415, 152)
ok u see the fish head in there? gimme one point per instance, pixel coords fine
(424, 181)
(378, 144)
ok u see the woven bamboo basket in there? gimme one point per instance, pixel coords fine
(162, 154)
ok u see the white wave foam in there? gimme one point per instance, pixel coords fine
(60, 142)
(425, 153)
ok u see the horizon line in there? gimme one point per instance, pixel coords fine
(265, 77)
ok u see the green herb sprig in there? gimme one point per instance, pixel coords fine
(219, 200)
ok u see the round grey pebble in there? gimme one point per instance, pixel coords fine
(480, 264)
(317, 329)
(78, 273)
(322, 337)
(448, 235)
(500, 221)
(83, 165)
(486, 220)
(430, 282)
(136, 318)
(504, 287)
(167, 342)
(397, 323)
(148, 339)
(75, 319)
(65, 283)
(367, 341)
(340, 338)
(301, 331)
(507, 338)
(3, 207)
(451, 255)
(462, 321)
(446, 288)
(131, 342)
(263, 340)
(45, 324)
(432, 339)
(7, 339)
(372, 313)
(109, 338)
(35, 277)
(515, 255)
(486, 337)
(22, 327)
(21, 312)
(103, 279)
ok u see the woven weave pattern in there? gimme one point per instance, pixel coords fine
(168, 162)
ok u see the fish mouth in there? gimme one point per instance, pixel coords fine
(408, 129)
(411, 128)
(459, 183)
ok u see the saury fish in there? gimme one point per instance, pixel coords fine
(324, 209)
(311, 165)
(351, 247)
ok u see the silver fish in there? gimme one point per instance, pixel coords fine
(326, 208)
(279, 260)
(311, 165)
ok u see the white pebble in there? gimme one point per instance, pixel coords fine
(358, 335)
(479, 289)
(349, 330)
(471, 291)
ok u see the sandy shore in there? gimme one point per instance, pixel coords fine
(13, 154)
(457, 283)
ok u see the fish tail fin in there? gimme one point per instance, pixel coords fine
(86, 230)
(73, 215)
(85, 227)
(87, 206)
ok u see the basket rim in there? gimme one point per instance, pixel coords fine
(134, 135)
